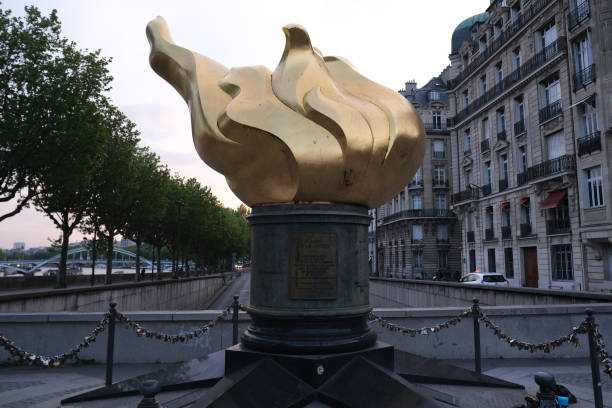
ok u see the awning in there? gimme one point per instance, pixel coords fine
(504, 205)
(553, 199)
(523, 201)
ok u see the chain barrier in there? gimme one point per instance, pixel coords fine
(170, 338)
(601, 348)
(423, 330)
(546, 347)
(27, 358)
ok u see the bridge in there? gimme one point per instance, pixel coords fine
(79, 256)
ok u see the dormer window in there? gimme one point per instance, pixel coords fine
(434, 95)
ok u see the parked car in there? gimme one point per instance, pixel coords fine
(479, 278)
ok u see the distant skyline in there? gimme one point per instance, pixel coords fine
(390, 42)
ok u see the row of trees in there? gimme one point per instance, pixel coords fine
(66, 150)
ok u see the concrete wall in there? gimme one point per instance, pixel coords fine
(170, 294)
(417, 293)
(51, 334)
(34, 282)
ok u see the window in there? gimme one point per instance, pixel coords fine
(516, 59)
(468, 178)
(472, 260)
(547, 35)
(436, 119)
(442, 232)
(526, 216)
(503, 167)
(439, 175)
(465, 99)
(485, 128)
(487, 172)
(555, 145)
(438, 149)
(509, 265)
(442, 259)
(418, 176)
(417, 203)
(434, 95)
(587, 118)
(499, 73)
(522, 159)
(489, 218)
(417, 232)
(561, 260)
(440, 201)
(483, 85)
(519, 109)
(467, 141)
(491, 259)
(403, 255)
(505, 216)
(594, 187)
(501, 121)
(417, 258)
(583, 53)
(551, 91)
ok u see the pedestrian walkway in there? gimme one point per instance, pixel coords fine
(45, 388)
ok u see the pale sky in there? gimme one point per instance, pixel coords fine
(389, 42)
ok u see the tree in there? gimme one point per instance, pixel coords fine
(29, 47)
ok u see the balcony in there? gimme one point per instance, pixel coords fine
(489, 234)
(439, 155)
(439, 183)
(416, 184)
(532, 65)
(550, 111)
(584, 77)
(526, 230)
(484, 146)
(579, 14)
(417, 241)
(501, 135)
(422, 213)
(589, 143)
(506, 233)
(519, 127)
(435, 126)
(486, 190)
(442, 241)
(521, 20)
(557, 226)
(470, 236)
(469, 194)
(548, 168)
(503, 184)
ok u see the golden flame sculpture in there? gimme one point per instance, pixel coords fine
(314, 130)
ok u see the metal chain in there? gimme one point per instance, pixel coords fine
(601, 347)
(171, 338)
(423, 330)
(546, 347)
(27, 358)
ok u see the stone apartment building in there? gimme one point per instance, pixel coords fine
(530, 95)
(416, 235)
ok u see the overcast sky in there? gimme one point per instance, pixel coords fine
(390, 42)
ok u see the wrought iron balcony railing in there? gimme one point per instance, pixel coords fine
(548, 168)
(557, 226)
(526, 230)
(443, 241)
(489, 234)
(486, 190)
(584, 77)
(579, 14)
(467, 151)
(501, 135)
(550, 111)
(519, 127)
(434, 126)
(423, 213)
(415, 183)
(521, 178)
(506, 233)
(470, 236)
(521, 20)
(589, 143)
(439, 155)
(469, 194)
(440, 183)
(484, 146)
(533, 64)
(417, 241)
(503, 184)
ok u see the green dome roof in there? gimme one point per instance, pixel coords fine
(462, 31)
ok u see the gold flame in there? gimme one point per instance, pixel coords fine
(313, 130)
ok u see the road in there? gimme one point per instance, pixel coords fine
(240, 286)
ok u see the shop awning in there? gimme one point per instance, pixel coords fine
(504, 205)
(523, 201)
(553, 199)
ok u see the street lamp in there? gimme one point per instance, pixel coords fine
(179, 204)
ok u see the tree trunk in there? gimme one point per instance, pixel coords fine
(61, 273)
(159, 263)
(138, 242)
(109, 259)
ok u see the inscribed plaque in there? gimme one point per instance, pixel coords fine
(314, 268)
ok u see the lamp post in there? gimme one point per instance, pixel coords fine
(179, 204)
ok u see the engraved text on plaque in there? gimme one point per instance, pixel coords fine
(314, 269)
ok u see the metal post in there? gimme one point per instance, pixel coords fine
(593, 354)
(476, 316)
(110, 346)
(546, 395)
(236, 306)
(149, 389)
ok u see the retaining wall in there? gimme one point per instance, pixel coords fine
(53, 333)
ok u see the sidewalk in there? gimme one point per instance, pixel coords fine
(45, 388)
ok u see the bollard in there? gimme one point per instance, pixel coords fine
(149, 389)
(593, 355)
(110, 346)
(546, 395)
(476, 315)
(236, 306)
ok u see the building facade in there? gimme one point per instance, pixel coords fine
(416, 235)
(530, 130)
